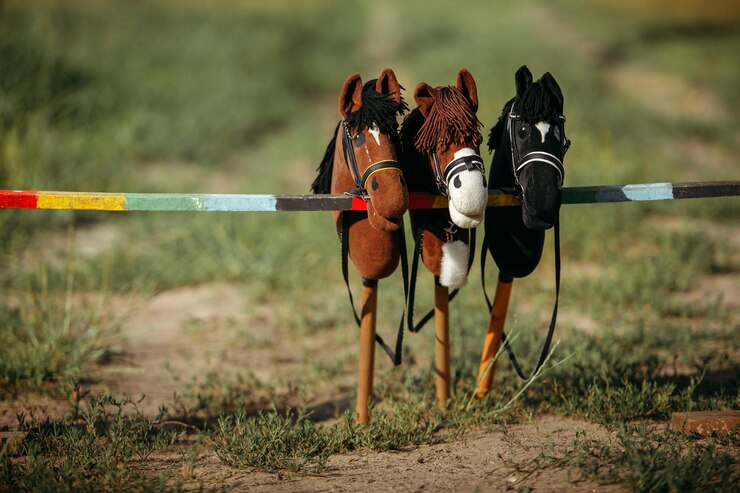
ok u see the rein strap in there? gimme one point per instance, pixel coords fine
(551, 330)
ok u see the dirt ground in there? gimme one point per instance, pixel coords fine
(171, 340)
(482, 461)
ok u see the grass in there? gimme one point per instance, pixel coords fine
(232, 98)
(94, 451)
(645, 460)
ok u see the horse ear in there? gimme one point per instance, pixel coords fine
(350, 99)
(554, 88)
(522, 79)
(388, 84)
(424, 95)
(466, 85)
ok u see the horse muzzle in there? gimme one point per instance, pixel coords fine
(388, 200)
(541, 190)
(468, 197)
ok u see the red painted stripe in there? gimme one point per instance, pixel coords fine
(358, 204)
(18, 199)
(421, 201)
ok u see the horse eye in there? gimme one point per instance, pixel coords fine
(523, 131)
(359, 139)
(556, 132)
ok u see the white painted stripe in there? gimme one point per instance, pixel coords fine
(248, 203)
(649, 191)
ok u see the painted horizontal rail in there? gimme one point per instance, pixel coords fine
(27, 199)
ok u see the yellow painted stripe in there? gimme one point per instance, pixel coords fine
(439, 202)
(503, 199)
(81, 201)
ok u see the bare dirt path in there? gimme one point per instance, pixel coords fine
(520, 457)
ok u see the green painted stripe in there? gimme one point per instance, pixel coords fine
(164, 202)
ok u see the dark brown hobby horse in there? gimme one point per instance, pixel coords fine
(440, 148)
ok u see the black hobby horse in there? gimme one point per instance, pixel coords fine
(530, 143)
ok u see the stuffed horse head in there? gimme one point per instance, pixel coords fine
(530, 143)
(361, 160)
(450, 137)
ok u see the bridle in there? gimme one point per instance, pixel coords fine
(534, 156)
(454, 168)
(361, 180)
(360, 192)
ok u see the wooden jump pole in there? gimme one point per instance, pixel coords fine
(195, 202)
(367, 349)
(442, 343)
(493, 337)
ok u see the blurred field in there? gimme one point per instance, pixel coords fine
(221, 316)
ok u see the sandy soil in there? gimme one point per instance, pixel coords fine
(491, 460)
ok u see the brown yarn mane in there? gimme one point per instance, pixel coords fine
(451, 120)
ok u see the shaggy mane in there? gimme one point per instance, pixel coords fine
(539, 103)
(451, 120)
(376, 108)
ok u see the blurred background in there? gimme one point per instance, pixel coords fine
(240, 97)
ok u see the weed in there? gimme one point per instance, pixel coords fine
(97, 452)
(646, 460)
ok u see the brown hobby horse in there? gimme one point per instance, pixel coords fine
(440, 142)
(361, 160)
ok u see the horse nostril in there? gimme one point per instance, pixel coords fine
(457, 182)
(374, 184)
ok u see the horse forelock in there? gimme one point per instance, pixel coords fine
(538, 103)
(378, 109)
(451, 120)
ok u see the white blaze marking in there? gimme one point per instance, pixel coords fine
(465, 151)
(376, 133)
(543, 128)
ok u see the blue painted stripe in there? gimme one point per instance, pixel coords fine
(651, 191)
(248, 203)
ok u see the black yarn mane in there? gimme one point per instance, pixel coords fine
(413, 161)
(538, 103)
(376, 108)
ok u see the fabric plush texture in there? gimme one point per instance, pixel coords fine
(454, 266)
(369, 112)
(517, 234)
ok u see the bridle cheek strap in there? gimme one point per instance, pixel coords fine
(360, 190)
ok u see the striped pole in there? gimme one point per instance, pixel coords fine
(26, 199)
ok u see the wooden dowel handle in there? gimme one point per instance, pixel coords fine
(493, 338)
(367, 350)
(442, 344)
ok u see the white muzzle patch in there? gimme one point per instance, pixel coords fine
(467, 203)
(454, 269)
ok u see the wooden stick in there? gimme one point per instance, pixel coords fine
(367, 349)
(493, 338)
(442, 344)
